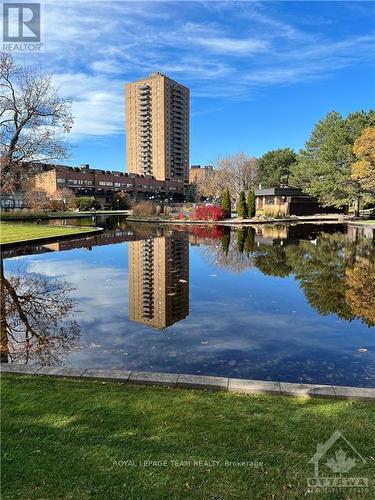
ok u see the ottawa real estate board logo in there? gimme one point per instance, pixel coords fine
(333, 461)
(21, 27)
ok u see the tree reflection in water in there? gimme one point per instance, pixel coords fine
(231, 250)
(335, 271)
(37, 322)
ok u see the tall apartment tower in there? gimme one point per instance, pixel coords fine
(157, 128)
(159, 281)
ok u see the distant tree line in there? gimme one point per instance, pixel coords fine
(336, 166)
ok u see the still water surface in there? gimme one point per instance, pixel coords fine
(288, 303)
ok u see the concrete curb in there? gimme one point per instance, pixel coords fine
(244, 222)
(183, 380)
(362, 224)
(49, 239)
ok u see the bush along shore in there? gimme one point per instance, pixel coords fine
(147, 211)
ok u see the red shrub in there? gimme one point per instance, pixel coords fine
(208, 212)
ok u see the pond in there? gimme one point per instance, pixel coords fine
(292, 303)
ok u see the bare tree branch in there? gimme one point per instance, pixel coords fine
(34, 119)
(237, 172)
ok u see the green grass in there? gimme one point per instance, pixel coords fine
(11, 233)
(65, 439)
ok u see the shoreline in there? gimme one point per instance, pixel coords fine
(246, 222)
(363, 223)
(187, 381)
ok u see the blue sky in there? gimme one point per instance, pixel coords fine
(260, 73)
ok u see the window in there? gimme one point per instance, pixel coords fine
(60, 180)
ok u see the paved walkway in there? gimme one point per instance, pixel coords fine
(199, 382)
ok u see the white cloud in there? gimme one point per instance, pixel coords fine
(232, 46)
(98, 105)
(94, 48)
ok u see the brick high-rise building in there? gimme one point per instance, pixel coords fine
(157, 128)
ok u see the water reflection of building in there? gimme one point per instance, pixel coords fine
(283, 234)
(159, 280)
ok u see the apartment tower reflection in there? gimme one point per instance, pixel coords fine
(159, 280)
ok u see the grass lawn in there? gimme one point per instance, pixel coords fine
(10, 233)
(71, 439)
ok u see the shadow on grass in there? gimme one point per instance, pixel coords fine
(78, 439)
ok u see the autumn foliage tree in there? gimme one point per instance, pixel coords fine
(363, 169)
(360, 295)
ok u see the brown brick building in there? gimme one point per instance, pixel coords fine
(102, 184)
(280, 202)
(198, 173)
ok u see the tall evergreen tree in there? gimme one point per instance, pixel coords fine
(250, 202)
(274, 167)
(191, 193)
(241, 206)
(226, 204)
(324, 166)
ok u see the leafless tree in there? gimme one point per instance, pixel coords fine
(62, 198)
(33, 118)
(237, 172)
(36, 200)
(36, 319)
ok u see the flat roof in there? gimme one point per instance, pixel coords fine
(157, 74)
(278, 191)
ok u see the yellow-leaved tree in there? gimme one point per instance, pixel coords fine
(364, 168)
